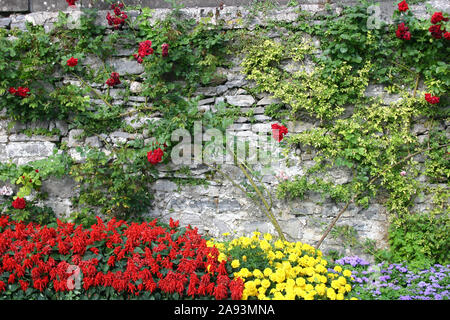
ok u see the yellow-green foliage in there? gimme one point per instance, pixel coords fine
(320, 95)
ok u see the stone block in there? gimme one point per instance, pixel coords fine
(29, 150)
(125, 66)
(5, 22)
(240, 100)
(48, 5)
(60, 188)
(73, 138)
(14, 6)
(165, 186)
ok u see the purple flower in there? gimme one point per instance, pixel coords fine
(405, 298)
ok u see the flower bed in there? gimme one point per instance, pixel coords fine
(397, 281)
(117, 260)
(282, 270)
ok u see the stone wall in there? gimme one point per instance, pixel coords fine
(216, 207)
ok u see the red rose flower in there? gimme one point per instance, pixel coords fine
(438, 17)
(431, 99)
(22, 92)
(71, 2)
(19, 203)
(12, 90)
(155, 156)
(436, 31)
(447, 35)
(279, 131)
(165, 49)
(402, 32)
(145, 49)
(407, 36)
(72, 62)
(403, 6)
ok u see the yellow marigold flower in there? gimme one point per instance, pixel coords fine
(335, 284)
(257, 273)
(262, 296)
(226, 234)
(265, 245)
(290, 283)
(271, 255)
(246, 242)
(342, 290)
(235, 263)
(309, 287)
(279, 255)
(347, 273)
(256, 234)
(265, 283)
(324, 262)
(279, 244)
(342, 281)
(244, 273)
(309, 296)
(209, 243)
(338, 268)
(293, 257)
(320, 289)
(331, 294)
(268, 237)
(290, 296)
(278, 296)
(332, 275)
(222, 257)
(353, 298)
(267, 272)
(348, 288)
(257, 282)
(300, 282)
(244, 258)
(339, 296)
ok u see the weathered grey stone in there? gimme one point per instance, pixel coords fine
(25, 138)
(61, 188)
(18, 22)
(73, 138)
(135, 87)
(165, 186)
(267, 101)
(240, 100)
(36, 150)
(206, 101)
(5, 22)
(120, 137)
(206, 91)
(226, 205)
(93, 141)
(125, 66)
(14, 6)
(62, 126)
